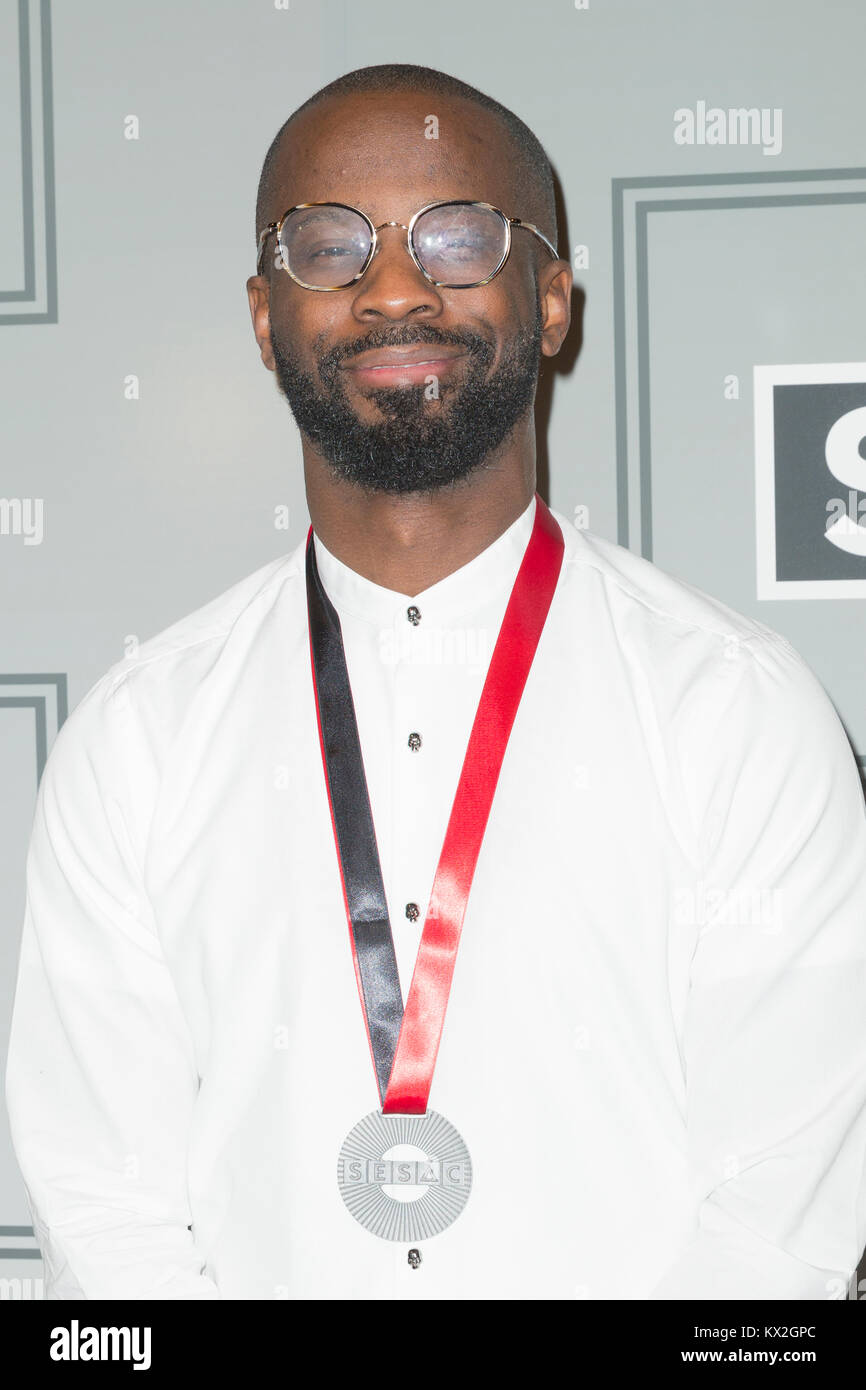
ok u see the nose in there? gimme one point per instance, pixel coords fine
(392, 286)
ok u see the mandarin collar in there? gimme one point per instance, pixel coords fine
(489, 575)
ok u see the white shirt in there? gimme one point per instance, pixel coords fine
(655, 1046)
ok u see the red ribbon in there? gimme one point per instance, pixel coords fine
(424, 1015)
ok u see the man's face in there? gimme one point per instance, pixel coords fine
(391, 426)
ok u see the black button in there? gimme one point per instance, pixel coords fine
(414, 742)
(414, 615)
(413, 912)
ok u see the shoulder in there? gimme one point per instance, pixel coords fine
(645, 591)
(717, 680)
(129, 715)
(213, 625)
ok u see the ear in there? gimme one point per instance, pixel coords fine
(554, 288)
(259, 296)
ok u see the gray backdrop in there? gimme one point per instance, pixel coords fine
(145, 448)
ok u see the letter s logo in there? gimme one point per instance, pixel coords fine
(842, 452)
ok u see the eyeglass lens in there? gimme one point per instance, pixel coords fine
(327, 247)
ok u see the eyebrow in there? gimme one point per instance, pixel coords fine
(307, 215)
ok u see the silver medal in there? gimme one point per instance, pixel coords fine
(404, 1177)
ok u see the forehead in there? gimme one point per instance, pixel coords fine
(375, 151)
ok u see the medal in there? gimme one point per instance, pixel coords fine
(404, 1172)
(404, 1198)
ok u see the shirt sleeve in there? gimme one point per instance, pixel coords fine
(774, 1038)
(101, 1078)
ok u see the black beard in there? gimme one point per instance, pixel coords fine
(420, 445)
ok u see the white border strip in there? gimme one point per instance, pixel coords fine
(765, 378)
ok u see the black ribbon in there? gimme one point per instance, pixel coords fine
(355, 833)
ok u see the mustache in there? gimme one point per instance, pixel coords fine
(417, 334)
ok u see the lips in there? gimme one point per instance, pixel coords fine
(422, 354)
(403, 366)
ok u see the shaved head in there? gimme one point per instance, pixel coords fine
(531, 174)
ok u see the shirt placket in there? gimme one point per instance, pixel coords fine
(418, 732)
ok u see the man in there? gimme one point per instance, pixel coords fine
(308, 1006)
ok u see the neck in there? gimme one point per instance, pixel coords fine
(408, 542)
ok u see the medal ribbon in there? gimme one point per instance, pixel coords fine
(404, 1043)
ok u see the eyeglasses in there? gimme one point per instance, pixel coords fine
(455, 245)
